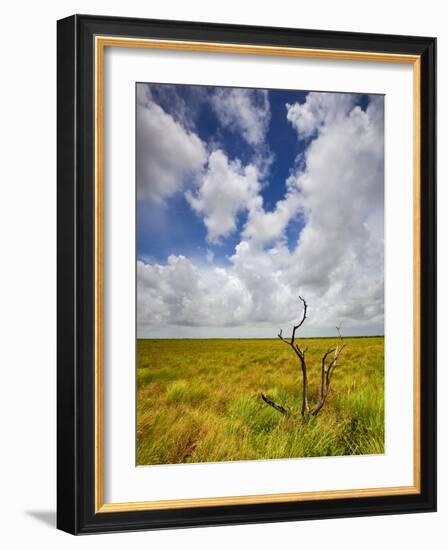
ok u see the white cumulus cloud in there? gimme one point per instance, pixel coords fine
(339, 254)
(244, 111)
(167, 154)
(180, 293)
(266, 227)
(226, 189)
(319, 110)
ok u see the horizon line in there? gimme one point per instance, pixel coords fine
(260, 338)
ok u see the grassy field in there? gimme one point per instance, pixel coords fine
(199, 400)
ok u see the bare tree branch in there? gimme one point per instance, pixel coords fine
(338, 328)
(301, 355)
(305, 308)
(276, 406)
(323, 372)
(327, 370)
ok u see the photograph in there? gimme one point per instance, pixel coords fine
(246, 322)
(233, 232)
(259, 273)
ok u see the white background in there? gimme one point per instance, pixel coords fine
(27, 275)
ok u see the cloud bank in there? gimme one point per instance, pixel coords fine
(336, 190)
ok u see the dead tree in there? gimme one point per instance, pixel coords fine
(328, 366)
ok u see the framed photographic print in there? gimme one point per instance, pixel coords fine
(246, 274)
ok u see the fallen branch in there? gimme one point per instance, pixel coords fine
(276, 406)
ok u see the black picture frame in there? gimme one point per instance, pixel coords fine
(76, 512)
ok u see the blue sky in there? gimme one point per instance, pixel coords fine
(246, 198)
(185, 233)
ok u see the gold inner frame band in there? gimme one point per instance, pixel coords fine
(101, 42)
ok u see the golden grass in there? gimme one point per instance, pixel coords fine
(199, 400)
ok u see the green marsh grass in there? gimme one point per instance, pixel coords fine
(199, 400)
